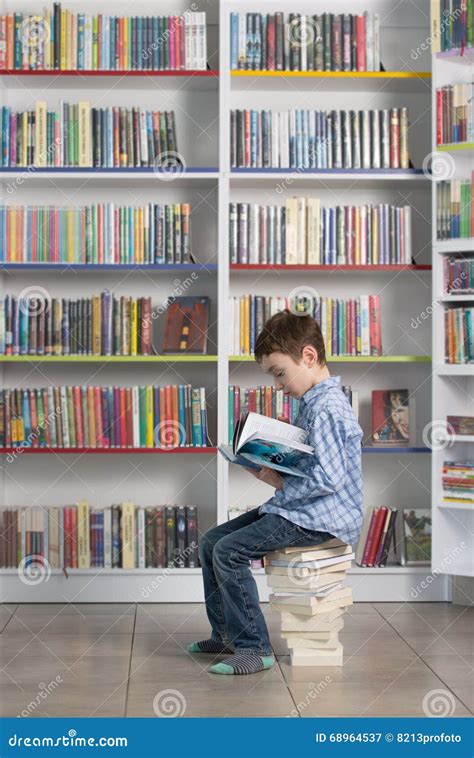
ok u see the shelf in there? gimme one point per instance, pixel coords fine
(455, 56)
(170, 358)
(352, 358)
(456, 298)
(103, 177)
(108, 450)
(456, 507)
(183, 79)
(461, 245)
(343, 178)
(455, 146)
(201, 267)
(397, 449)
(322, 268)
(451, 369)
(451, 438)
(368, 81)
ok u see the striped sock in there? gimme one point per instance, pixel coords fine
(208, 646)
(243, 663)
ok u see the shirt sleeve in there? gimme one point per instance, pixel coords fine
(327, 470)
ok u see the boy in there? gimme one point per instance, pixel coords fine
(302, 512)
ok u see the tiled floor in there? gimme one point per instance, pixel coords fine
(406, 659)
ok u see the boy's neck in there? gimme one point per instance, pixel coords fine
(320, 374)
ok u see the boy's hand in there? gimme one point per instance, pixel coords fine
(268, 475)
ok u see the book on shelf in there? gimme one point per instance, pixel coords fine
(452, 25)
(304, 232)
(100, 233)
(186, 325)
(303, 42)
(60, 39)
(81, 136)
(260, 441)
(350, 327)
(459, 335)
(376, 541)
(99, 325)
(458, 424)
(413, 537)
(455, 209)
(314, 139)
(391, 417)
(458, 273)
(455, 113)
(122, 536)
(458, 482)
(272, 402)
(63, 416)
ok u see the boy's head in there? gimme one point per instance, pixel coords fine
(291, 348)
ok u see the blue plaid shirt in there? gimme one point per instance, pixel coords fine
(331, 500)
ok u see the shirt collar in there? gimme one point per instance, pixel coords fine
(319, 388)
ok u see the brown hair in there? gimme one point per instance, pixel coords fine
(285, 332)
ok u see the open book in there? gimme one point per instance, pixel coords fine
(262, 441)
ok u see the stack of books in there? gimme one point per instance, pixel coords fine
(307, 589)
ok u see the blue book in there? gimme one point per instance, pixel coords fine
(260, 441)
(234, 41)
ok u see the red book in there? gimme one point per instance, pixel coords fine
(67, 537)
(361, 44)
(270, 63)
(369, 539)
(378, 526)
(253, 400)
(375, 330)
(128, 416)
(77, 404)
(439, 117)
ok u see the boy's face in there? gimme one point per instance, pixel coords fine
(290, 376)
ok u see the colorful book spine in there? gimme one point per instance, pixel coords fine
(452, 25)
(100, 325)
(458, 482)
(302, 232)
(455, 209)
(81, 536)
(350, 327)
(90, 417)
(455, 113)
(458, 274)
(81, 136)
(459, 335)
(302, 42)
(103, 233)
(312, 139)
(63, 40)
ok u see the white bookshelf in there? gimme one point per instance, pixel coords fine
(453, 385)
(202, 105)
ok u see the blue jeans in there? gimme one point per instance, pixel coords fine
(231, 593)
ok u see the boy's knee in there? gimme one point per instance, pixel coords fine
(207, 543)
